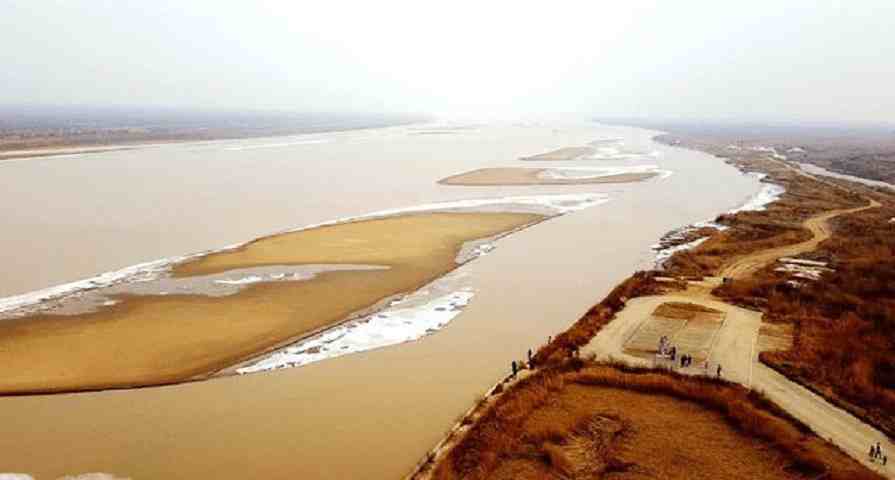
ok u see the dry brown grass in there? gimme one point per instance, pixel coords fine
(500, 427)
(844, 325)
(779, 225)
(587, 421)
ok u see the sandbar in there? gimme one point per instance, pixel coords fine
(544, 176)
(153, 339)
(561, 154)
(59, 151)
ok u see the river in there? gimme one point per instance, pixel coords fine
(369, 415)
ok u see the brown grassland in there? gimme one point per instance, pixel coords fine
(752, 231)
(843, 325)
(580, 420)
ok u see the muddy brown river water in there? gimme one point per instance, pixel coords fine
(368, 415)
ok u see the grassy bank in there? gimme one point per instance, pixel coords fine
(844, 324)
(581, 420)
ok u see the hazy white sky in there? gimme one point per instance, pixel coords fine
(770, 60)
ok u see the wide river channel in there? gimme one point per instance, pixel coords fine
(369, 415)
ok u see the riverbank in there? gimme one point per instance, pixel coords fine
(739, 245)
(578, 419)
(42, 131)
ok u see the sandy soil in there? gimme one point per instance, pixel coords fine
(534, 176)
(565, 153)
(157, 339)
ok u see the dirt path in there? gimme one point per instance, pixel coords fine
(819, 227)
(735, 346)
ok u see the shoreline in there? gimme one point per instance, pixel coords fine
(606, 309)
(456, 433)
(62, 149)
(383, 304)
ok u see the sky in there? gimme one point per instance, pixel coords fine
(776, 60)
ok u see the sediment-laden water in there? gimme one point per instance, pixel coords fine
(370, 414)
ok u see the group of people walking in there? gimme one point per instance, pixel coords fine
(876, 453)
(668, 351)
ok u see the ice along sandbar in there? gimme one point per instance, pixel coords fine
(235, 304)
(553, 176)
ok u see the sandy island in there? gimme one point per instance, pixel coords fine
(151, 339)
(561, 154)
(545, 176)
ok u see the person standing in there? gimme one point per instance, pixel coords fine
(718, 371)
(514, 369)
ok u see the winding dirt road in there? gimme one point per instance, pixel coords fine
(736, 343)
(819, 227)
